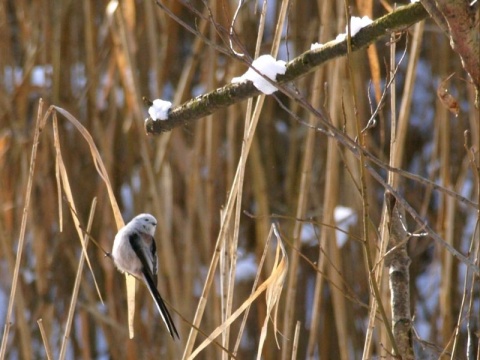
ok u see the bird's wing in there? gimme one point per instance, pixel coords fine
(141, 244)
(146, 253)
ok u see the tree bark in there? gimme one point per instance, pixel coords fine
(398, 262)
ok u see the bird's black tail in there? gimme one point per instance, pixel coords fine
(162, 308)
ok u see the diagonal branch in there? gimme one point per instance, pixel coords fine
(305, 63)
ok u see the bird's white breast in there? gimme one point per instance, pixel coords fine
(123, 255)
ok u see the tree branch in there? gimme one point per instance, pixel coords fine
(307, 62)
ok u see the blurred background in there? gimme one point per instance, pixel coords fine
(97, 59)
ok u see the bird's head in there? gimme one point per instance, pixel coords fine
(146, 222)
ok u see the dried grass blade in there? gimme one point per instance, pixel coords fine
(274, 291)
(65, 183)
(278, 272)
(257, 277)
(97, 160)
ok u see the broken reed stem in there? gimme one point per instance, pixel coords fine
(295, 340)
(46, 345)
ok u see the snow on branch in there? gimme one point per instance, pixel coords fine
(267, 66)
(305, 63)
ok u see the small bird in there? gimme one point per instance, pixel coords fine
(135, 252)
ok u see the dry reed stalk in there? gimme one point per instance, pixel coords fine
(181, 92)
(260, 193)
(56, 51)
(231, 243)
(192, 237)
(314, 336)
(213, 140)
(300, 212)
(329, 240)
(20, 300)
(40, 123)
(21, 307)
(295, 151)
(212, 268)
(78, 278)
(376, 278)
(407, 96)
(90, 59)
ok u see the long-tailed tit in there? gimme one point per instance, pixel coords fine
(134, 251)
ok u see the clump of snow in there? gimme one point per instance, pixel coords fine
(246, 268)
(269, 67)
(160, 109)
(42, 75)
(342, 213)
(415, 1)
(344, 218)
(308, 235)
(316, 46)
(356, 24)
(112, 7)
